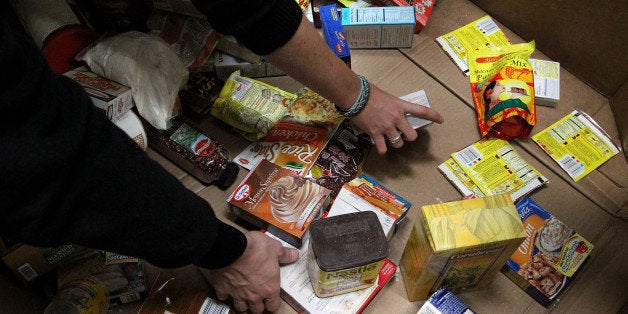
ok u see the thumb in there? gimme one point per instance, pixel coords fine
(288, 255)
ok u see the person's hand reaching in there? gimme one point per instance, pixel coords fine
(384, 120)
(252, 281)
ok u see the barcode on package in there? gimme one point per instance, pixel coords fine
(27, 272)
(469, 156)
(573, 167)
(487, 26)
(211, 307)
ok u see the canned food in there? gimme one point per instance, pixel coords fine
(345, 253)
(85, 295)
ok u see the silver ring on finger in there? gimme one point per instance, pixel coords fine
(395, 140)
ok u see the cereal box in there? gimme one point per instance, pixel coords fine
(460, 245)
(549, 257)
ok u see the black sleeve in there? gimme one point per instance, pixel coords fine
(261, 25)
(69, 175)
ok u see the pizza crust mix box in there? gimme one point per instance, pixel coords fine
(113, 98)
(276, 199)
(334, 34)
(550, 256)
(460, 245)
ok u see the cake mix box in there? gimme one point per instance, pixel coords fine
(366, 194)
(113, 98)
(549, 257)
(278, 200)
(460, 245)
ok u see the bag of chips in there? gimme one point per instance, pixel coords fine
(502, 85)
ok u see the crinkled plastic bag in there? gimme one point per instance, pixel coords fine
(502, 84)
(148, 66)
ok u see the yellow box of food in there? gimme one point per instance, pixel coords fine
(460, 245)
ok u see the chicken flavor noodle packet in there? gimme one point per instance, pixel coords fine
(502, 85)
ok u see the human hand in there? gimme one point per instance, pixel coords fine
(252, 281)
(384, 119)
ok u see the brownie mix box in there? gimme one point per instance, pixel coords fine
(550, 256)
(276, 199)
(112, 97)
(460, 245)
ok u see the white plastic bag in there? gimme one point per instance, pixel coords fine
(148, 66)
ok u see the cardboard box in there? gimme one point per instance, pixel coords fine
(549, 258)
(422, 9)
(333, 32)
(460, 245)
(113, 98)
(276, 199)
(365, 194)
(379, 27)
(29, 262)
(546, 82)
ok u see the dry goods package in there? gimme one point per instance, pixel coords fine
(502, 86)
(251, 106)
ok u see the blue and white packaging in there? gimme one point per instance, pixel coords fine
(379, 27)
(334, 34)
(444, 302)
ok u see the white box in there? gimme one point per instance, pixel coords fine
(379, 27)
(546, 82)
(112, 97)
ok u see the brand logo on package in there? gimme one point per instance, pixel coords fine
(242, 193)
(58, 254)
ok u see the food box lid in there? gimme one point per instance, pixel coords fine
(347, 241)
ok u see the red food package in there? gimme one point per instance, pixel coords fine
(502, 85)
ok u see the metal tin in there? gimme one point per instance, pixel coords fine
(345, 253)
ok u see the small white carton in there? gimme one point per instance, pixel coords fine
(112, 97)
(379, 27)
(546, 82)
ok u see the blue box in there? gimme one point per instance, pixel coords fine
(334, 34)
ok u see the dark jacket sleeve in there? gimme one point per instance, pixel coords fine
(69, 175)
(261, 25)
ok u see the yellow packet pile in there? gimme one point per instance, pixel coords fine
(502, 86)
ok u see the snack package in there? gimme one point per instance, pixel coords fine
(251, 106)
(502, 86)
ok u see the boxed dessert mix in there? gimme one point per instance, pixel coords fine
(113, 98)
(366, 194)
(550, 256)
(460, 245)
(379, 27)
(276, 199)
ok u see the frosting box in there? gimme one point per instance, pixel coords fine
(276, 199)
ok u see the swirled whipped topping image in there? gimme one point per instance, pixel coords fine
(554, 234)
(289, 198)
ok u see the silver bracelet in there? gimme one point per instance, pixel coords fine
(360, 102)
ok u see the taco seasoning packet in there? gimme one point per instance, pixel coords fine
(502, 85)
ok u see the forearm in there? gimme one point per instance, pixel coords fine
(306, 58)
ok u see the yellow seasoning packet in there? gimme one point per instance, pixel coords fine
(251, 106)
(502, 86)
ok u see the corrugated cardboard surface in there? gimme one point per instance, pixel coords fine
(411, 171)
